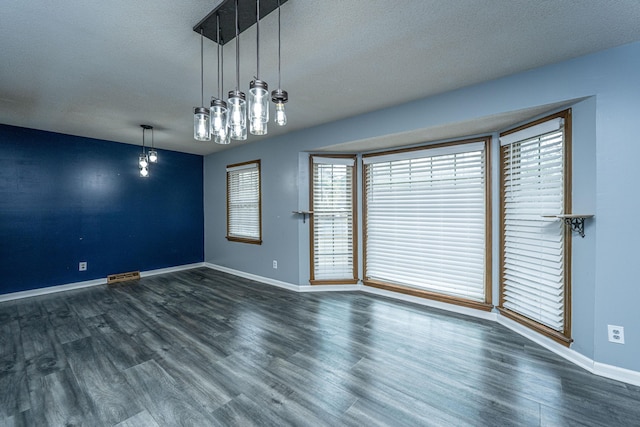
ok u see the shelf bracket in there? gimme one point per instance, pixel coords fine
(576, 224)
(304, 215)
(575, 221)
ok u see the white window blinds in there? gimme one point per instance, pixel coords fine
(425, 219)
(533, 246)
(243, 202)
(332, 224)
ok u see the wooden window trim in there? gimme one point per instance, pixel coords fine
(420, 293)
(563, 337)
(354, 279)
(230, 238)
(487, 305)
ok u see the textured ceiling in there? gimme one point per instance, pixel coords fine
(100, 69)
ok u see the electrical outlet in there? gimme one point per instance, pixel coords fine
(275, 264)
(82, 266)
(616, 334)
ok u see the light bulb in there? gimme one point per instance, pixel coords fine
(222, 137)
(144, 172)
(238, 115)
(281, 116)
(153, 156)
(219, 116)
(201, 125)
(142, 161)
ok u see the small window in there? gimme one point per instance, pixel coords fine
(244, 207)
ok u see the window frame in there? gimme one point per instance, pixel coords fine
(562, 337)
(485, 305)
(229, 236)
(354, 226)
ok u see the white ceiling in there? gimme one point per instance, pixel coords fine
(101, 68)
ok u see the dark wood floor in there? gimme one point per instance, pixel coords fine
(204, 348)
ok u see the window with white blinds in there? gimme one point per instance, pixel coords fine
(426, 220)
(243, 202)
(332, 202)
(533, 246)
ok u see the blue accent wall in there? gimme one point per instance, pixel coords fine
(66, 199)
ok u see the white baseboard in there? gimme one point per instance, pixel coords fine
(285, 285)
(51, 289)
(88, 283)
(431, 303)
(601, 369)
(615, 373)
(255, 277)
(562, 351)
(171, 269)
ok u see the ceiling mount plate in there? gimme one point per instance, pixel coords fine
(227, 11)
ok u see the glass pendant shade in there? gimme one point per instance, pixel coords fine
(218, 112)
(153, 156)
(237, 115)
(142, 161)
(280, 97)
(258, 107)
(144, 172)
(201, 124)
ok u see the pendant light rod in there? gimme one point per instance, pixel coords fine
(218, 55)
(257, 39)
(279, 43)
(237, 49)
(201, 67)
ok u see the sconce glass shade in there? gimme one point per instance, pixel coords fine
(280, 97)
(143, 161)
(201, 124)
(258, 107)
(144, 172)
(237, 115)
(153, 156)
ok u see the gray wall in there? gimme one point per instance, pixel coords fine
(606, 125)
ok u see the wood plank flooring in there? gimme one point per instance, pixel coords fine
(204, 348)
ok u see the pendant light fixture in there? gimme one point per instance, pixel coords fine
(237, 99)
(201, 119)
(153, 154)
(219, 110)
(279, 96)
(258, 91)
(143, 161)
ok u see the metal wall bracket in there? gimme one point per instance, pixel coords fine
(575, 221)
(304, 215)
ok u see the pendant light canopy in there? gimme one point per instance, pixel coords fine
(229, 120)
(201, 119)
